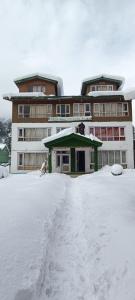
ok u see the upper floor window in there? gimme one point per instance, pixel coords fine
(63, 110)
(33, 134)
(81, 109)
(34, 111)
(110, 109)
(38, 88)
(101, 88)
(108, 133)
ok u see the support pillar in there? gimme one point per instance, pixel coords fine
(95, 159)
(72, 159)
(50, 161)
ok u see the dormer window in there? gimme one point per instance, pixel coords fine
(105, 87)
(38, 88)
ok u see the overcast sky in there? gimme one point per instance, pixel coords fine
(73, 39)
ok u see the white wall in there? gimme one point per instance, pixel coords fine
(18, 146)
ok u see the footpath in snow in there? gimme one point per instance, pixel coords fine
(64, 238)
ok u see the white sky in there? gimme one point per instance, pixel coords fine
(73, 39)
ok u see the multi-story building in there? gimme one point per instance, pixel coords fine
(40, 110)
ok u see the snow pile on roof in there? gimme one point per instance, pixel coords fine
(3, 172)
(58, 135)
(2, 146)
(45, 76)
(66, 132)
(27, 94)
(128, 94)
(106, 76)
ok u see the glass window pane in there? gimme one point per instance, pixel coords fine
(117, 157)
(123, 157)
(97, 131)
(122, 131)
(111, 157)
(91, 130)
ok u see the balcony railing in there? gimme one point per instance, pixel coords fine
(69, 119)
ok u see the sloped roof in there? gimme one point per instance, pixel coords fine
(118, 79)
(57, 80)
(2, 146)
(67, 134)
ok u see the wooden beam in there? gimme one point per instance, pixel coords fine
(50, 161)
(95, 159)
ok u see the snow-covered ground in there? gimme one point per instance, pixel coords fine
(67, 238)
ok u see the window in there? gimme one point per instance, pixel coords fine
(108, 158)
(63, 110)
(99, 87)
(35, 111)
(33, 134)
(110, 109)
(31, 161)
(38, 88)
(58, 129)
(108, 133)
(24, 110)
(81, 109)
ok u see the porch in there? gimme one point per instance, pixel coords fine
(67, 151)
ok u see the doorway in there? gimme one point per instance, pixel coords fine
(80, 161)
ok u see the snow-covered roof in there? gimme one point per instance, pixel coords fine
(2, 146)
(106, 76)
(66, 132)
(127, 94)
(44, 76)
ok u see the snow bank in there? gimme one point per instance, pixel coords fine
(64, 238)
(3, 172)
(117, 169)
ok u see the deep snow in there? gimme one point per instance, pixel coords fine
(67, 238)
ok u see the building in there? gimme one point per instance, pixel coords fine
(4, 153)
(40, 110)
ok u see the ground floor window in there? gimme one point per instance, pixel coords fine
(31, 161)
(109, 158)
(63, 161)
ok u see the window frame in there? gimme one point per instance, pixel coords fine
(23, 138)
(85, 111)
(100, 109)
(35, 115)
(59, 110)
(107, 137)
(101, 87)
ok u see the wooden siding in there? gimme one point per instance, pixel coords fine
(50, 87)
(92, 100)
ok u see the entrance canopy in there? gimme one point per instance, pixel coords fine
(68, 138)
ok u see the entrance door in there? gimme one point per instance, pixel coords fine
(63, 161)
(80, 161)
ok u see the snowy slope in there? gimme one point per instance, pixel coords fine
(64, 238)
